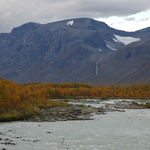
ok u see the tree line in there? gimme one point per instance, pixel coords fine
(32, 96)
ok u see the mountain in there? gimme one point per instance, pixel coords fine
(65, 51)
(127, 66)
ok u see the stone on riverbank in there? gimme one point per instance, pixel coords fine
(73, 112)
(82, 112)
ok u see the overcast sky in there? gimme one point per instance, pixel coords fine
(127, 15)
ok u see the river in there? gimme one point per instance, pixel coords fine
(129, 130)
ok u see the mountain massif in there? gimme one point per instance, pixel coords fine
(76, 50)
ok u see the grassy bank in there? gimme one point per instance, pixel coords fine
(145, 105)
(28, 112)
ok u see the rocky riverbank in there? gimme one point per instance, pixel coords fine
(72, 112)
(83, 111)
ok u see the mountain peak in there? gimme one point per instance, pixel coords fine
(77, 23)
(25, 27)
(70, 50)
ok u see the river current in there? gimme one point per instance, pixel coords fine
(129, 130)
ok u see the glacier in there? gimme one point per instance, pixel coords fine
(126, 39)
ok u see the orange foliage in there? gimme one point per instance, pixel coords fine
(18, 97)
(66, 90)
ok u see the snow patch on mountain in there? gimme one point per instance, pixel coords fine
(111, 47)
(126, 40)
(116, 40)
(70, 23)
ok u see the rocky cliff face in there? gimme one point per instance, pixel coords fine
(64, 51)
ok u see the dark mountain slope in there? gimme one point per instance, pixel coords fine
(64, 51)
(143, 34)
(55, 52)
(127, 66)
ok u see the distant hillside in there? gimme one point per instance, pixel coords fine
(127, 66)
(64, 51)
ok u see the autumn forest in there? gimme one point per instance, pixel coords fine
(22, 101)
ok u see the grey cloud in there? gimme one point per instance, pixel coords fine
(16, 12)
(130, 19)
(135, 19)
(144, 19)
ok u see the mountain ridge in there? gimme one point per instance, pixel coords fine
(65, 51)
(129, 65)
